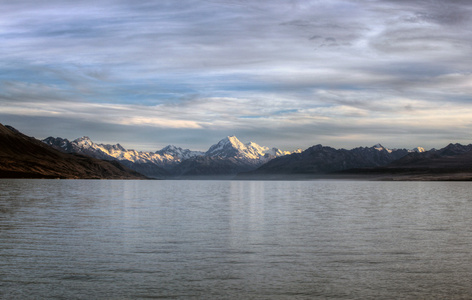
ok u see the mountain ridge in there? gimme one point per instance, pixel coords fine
(22, 156)
(229, 157)
(320, 159)
(175, 161)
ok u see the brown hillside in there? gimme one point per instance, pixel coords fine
(26, 157)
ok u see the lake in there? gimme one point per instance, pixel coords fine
(105, 239)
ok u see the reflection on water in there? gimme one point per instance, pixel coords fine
(79, 239)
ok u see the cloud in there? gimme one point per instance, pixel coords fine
(281, 71)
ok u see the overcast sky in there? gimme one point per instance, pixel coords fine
(286, 74)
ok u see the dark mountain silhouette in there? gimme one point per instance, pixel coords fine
(26, 157)
(319, 160)
(453, 162)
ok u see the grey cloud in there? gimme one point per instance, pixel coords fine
(315, 37)
(208, 62)
(454, 12)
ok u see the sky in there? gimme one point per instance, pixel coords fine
(286, 74)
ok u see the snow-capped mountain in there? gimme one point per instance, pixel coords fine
(169, 155)
(178, 152)
(418, 150)
(379, 147)
(229, 156)
(232, 147)
(237, 154)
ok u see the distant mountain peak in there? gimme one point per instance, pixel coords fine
(232, 140)
(170, 148)
(454, 149)
(84, 141)
(379, 147)
(178, 152)
(112, 148)
(83, 138)
(418, 150)
(231, 147)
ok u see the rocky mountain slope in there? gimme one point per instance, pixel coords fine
(453, 162)
(324, 160)
(231, 147)
(148, 163)
(166, 157)
(25, 157)
(227, 157)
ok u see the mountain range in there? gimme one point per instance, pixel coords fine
(230, 157)
(320, 159)
(453, 162)
(26, 157)
(23, 156)
(226, 158)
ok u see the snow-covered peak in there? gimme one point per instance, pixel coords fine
(112, 148)
(233, 141)
(379, 147)
(262, 151)
(85, 140)
(59, 143)
(258, 148)
(178, 152)
(170, 148)
(418, 150)
(231, 147)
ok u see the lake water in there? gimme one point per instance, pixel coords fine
(85, 239)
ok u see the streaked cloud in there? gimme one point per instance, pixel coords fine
(282, 73)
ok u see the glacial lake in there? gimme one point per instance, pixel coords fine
(104, 239)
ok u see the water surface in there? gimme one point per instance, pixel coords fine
(86, 239)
